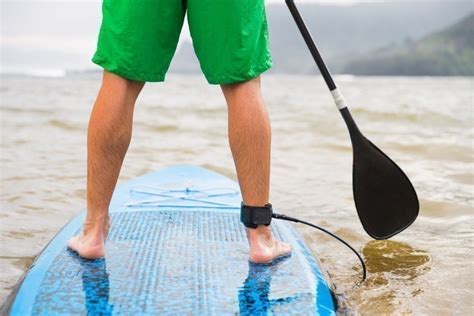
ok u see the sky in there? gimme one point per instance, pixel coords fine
(56, 34)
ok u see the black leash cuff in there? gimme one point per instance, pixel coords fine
(252, 216)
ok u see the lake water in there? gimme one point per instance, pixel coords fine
(424, 124)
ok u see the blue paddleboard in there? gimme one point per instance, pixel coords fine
(176, 247)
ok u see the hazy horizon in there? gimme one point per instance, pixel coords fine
(54, 36)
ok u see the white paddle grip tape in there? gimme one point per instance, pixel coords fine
(338, 99)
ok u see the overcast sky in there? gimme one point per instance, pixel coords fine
(58, 34)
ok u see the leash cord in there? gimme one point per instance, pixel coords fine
(296, 220)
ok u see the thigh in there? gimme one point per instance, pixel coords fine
(138, 38)
(230, 38)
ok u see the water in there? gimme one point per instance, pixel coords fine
(425, 124)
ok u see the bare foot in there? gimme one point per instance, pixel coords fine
(90, 243)
(264, 247)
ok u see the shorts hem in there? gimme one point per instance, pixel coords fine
(124, 73)
(229, 79)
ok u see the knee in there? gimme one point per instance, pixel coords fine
(120, 85)
(244, 86)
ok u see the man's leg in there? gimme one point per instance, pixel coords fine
(108, 138)
(250, 142)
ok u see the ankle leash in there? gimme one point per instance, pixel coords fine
(252, 216)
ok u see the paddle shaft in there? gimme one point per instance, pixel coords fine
(338, 98)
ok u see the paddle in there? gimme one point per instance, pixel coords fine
(384, 197)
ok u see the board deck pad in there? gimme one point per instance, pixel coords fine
(176, 247)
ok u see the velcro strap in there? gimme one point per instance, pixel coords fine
(252, 216)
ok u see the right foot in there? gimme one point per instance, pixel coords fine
(264, 247)
(90, 243)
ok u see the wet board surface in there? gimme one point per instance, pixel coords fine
(176, 247)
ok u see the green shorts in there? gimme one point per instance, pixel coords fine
(138, 38)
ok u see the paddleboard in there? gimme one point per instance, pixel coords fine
(176, 247)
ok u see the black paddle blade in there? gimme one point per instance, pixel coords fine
(384, 196)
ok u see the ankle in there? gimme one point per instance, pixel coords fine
(262, 231)
(97, 219)
(96, 226)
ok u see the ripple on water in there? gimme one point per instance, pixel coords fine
(443, 209)
(396, 258)
(407, 116)
(392, 270)
(65, 125)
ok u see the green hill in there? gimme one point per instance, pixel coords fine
(449, 52)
